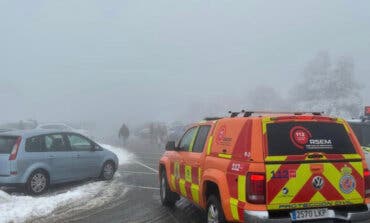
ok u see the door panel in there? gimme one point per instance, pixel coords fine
(87, 161)
(60, 158)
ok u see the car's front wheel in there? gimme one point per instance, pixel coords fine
(108, 171)
(168, 198)
(37, 183)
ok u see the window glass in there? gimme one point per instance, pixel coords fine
(35, 144)
(298, 138)
(362, 132)
(79, 143)
(55, 142)
(7, 143)
(187, 139)
(201, 139)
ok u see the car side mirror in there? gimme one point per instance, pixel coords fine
(171, 146)
(95, 148)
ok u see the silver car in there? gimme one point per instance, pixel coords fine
(37, 159)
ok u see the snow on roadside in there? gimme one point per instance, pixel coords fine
(15, 208)
(123, 155)
(20, 208)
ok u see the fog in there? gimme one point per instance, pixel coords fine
(108, 62)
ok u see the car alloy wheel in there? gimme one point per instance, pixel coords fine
(38, 183)
(108, 171)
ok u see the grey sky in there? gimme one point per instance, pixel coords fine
(120, 60)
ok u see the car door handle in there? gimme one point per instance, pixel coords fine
(78, 156)
(52, 157)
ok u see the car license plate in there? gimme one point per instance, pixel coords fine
(309, 214)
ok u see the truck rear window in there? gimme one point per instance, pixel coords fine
(7, 143)
(298, 138)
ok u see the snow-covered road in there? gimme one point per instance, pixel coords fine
(20, 208)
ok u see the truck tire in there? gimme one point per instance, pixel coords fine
(215, 214)
(168, 198)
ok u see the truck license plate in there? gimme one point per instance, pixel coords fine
(309, 214)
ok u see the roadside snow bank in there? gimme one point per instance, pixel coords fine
(20, 208)
(122, 154)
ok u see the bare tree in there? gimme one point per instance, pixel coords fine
(329, 88)
(266, 98)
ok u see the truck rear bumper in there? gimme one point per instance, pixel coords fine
(350, 216)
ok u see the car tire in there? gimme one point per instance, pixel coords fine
(108, 170)
(168, 198)
(215, 214)
(37, 183)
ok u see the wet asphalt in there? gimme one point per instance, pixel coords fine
(137, 198)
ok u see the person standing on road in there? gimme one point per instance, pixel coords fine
(123, 134)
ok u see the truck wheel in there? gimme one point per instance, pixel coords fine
(37, 183)
(215, 214)
(168, 198)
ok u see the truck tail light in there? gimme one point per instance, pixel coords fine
(256, 188)
(367, 182)
(13, 154)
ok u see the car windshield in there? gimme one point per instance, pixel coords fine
(7, 143)
(298, 138)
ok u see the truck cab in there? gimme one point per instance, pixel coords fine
(269, 167)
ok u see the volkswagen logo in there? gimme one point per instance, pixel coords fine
(318, 182)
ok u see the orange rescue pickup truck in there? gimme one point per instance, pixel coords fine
(269, 167)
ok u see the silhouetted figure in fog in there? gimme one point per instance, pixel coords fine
(123, 134)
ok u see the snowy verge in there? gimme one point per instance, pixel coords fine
(20, 208)
(123, 155)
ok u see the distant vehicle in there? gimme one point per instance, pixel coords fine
(36, 159)
(266, 167)
(62, 127)
(361, 127)
(5, 130)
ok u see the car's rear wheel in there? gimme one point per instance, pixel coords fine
(37, 183)
(215, 213)
(168, 198)
(108, 171)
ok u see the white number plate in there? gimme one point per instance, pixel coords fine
(309, 214)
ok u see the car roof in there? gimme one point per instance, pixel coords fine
(31, 132)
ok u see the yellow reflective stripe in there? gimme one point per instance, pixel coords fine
(195, 193)
(341, 121)
(317, 197)
(173, 181)
(351, 156)
(188, 171)
(358, 167)
(226, 156)
(294, 184)
(182, 187)
(276, 158)
(199, 174)
(234, 208)
(193, 140)
(241, 188)
(209, 145)
(265, 121)
(334, 175)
